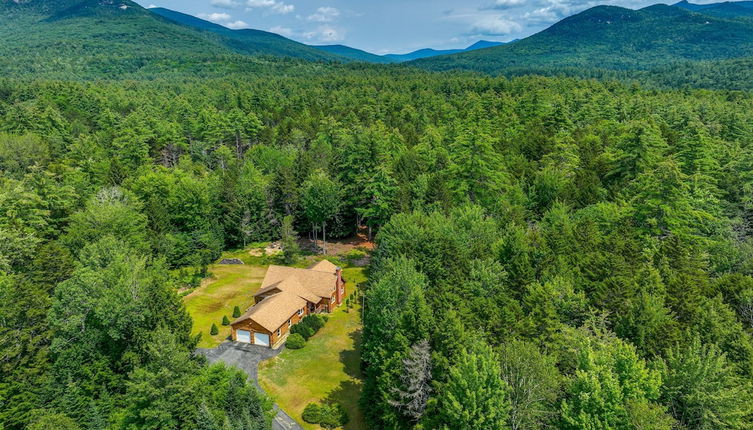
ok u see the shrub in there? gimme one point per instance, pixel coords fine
(295, 341)
(312, 414)
(309, 325)
(328, 416)
(316, 322)
(302, 329)
(225, 320)
(236, 312)
(355, 255)
(214, 331)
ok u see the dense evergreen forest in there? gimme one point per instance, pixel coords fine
(552, 252)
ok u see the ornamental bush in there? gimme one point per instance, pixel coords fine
(302, 329)
(312, 414)
(236, 312)
(295, 341)
(214, 331)
(225, 320)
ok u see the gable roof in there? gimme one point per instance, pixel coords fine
(274, 311)
(324, 266)
(293, 286)
(319, 283)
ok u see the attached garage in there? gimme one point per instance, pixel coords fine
(261, 339)
(243, 336)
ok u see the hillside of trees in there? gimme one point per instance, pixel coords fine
(614, 39)
(553, 252)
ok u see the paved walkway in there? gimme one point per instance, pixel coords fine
(247, 358)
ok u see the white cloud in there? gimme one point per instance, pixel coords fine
(495, 25)
(151, 6)
(237, 25)
(225, 4)
(282, 31)
(324, 14)
(325, 34)
(271, 5)
(217, 17)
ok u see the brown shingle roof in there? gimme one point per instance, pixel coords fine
(317, 282)
(274, 311)
(292, 288)
(324, 266)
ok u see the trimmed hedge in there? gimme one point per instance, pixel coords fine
(225, 320)
(214, 331)
(236, 312)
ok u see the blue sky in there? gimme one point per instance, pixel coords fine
(391, 26)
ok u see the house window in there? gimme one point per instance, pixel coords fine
(289, 323)
(300, 311)
(279, 331)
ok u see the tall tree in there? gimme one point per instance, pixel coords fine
(321, 200)
(474, 396)
(413, 394)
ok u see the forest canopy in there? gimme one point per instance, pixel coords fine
(552, 252)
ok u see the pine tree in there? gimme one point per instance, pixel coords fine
(214, 331)
(225, 320)
(475, 397)
(289, 241)
(236, 312)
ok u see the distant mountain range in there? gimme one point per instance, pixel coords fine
(259, 41)
(722, 10)
(359, 55)
(615, 38)
(253, 42)
(100, 38)
(117, 37)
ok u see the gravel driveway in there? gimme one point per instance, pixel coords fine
(247, 358)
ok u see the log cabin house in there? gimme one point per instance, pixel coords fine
(287, 295)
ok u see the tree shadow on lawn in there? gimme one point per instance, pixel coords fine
(351, 358)
(348, 394)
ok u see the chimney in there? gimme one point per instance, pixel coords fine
(339, 285)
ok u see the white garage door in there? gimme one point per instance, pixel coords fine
(261, 339)
(243, 336)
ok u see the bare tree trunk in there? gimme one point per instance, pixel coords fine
(324, 237)
(238, 146)
(369, 232)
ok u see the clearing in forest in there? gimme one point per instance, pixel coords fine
(326, 369)
(229, 286)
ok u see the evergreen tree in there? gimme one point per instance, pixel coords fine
(474, 396)
(289, 241)
(703, 391)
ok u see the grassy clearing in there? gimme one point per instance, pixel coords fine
(228, 287)
(327, 368)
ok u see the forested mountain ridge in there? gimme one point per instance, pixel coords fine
(110, 39)
(614, 38)
(254, 42)
(736, 9)
(355, 54)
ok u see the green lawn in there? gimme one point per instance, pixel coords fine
(327, 368)
(229, 286)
